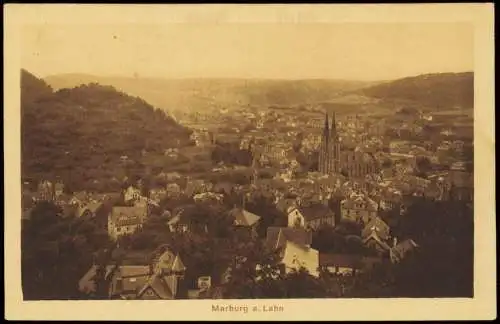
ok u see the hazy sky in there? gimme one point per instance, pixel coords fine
(288, 51)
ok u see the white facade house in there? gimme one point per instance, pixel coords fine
(131, 193)
(125, 220)
(312, 216)
(296, 256)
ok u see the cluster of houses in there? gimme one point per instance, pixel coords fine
(294, 241)
(302, 199)
(78, 204)
(161, 279)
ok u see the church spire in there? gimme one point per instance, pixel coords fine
(333, 129)
(325, 130)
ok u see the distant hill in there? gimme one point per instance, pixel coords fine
(435, 91)
(83, 132)
(32, 88)
(203, 94)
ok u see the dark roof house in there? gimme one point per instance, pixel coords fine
(243, 217)
(402, 249)
(159, 280)
(278, 236)
(315, 211)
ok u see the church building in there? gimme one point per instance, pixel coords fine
(335, 159)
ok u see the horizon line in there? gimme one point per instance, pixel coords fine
(241, 78)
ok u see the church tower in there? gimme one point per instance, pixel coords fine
(323, 159)
(335, 147)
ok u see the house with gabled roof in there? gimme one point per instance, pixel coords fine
(389, 198)
(294, 248)
(295, 257)
(400, 250)
(243, 217)
(245, 220)
(163, 283)
(185, 218)
(125, 220)
(89, 210)
(376, 234)
(183, 222)
(358, 208)
(311, 216)
(378, 225)
(277, 237)
(131, 194)
(158, 280)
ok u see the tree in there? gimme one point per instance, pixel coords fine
(300, 284)
(56, 252)
(102, 279)
(441, 265)
(81, 134)
(253, 272)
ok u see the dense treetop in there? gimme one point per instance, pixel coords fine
(88, 128)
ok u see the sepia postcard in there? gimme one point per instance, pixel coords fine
(249, 162)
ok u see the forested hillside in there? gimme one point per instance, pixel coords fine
(436, 91)
(84, 133)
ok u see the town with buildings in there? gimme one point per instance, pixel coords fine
(324, 192)
(247, 161)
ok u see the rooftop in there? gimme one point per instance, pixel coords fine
(125, 215)
(377, 225)
(243, 217)
(315, 211)
(278, 236)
